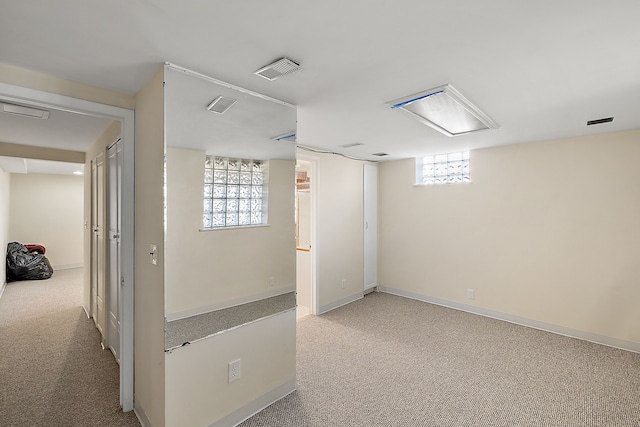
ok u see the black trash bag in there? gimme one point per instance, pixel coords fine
(24, 265)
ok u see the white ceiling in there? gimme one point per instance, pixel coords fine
(540, 69)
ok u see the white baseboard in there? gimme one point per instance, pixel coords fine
(142, 417)
(341, 302)
(523, 321)
(4, 285)
(302, 311)
(252, 408)
(66, 266)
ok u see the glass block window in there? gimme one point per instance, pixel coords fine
(233, 192)
(443, 169)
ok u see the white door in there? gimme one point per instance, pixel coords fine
(97, 259)
(114, 189)
(370, 210)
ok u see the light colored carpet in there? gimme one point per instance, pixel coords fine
(53, 371)
(391, 361)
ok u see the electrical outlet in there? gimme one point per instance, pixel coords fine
(471, 293)
(344, 283)
(272, 281)
(234, 370)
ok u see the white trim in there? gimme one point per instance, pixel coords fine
(257, 405)
(4, 285)
(80, 106)
(142, 417)
(523, 321)
(226, 304)
(341, 302)
(66, 266)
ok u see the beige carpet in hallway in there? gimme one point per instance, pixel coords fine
(53, 371)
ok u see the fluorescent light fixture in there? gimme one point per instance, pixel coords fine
(78, 173)
(446, 110)
(278, 69)
(19, 110)
(221, 104)
(289, 136)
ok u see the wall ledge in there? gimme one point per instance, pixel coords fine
(523, 321)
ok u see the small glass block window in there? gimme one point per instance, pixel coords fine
(443, 169)
(233, 192)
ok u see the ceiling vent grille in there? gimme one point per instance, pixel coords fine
(278, 69)
(599, 121)
(355, 144)
(446, 110)
(19, 110)
(289, 136)
(221, 104)
(380, 154)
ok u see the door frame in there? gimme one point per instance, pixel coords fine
(126, 117)
(314, 235)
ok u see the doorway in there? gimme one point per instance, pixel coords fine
(306, 236)
(37, 98)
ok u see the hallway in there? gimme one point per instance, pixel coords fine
(52, 368)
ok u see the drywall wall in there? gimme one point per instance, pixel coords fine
(339, 185)
(207, 270)
(547, 231)
(149, 278)
(48, 210)
(32, 79)
(5, 197)
(197, 381)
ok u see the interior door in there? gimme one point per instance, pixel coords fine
(370, 210)
(114, 271)
(97, 258)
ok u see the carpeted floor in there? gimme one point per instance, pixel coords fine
(53, 371)
(391, 361)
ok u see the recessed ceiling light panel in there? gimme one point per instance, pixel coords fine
(278, 69)
(221, 104)
(354, 144)
(446, 110)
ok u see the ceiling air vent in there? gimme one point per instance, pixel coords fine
(355, 144)
(19, 110)
(278, 69)
(221, 104)
(446, 110)
(289, 136)
(380, 154)
(599, 121)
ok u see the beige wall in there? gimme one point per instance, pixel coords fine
(339, 184)
(198, 391)
(5, 196)
(207, 270)
(547, 231)
(34, 80)
(149, 279)
(48, 210)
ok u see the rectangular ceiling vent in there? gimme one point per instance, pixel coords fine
(355, 144)
(221, 104)
(600, 121)
(278, 69)
(19, 110)
(289, 136)
(380, 154)
(446, 110)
